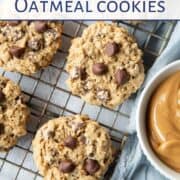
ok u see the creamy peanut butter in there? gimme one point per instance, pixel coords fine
(164, 121)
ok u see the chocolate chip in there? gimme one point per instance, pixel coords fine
(1, 128)
(99, 68)
(70, 142)
(82, 73)
(40, 26)
(2, 97)
(66, 166)
(13, 23)
(91, 166)
(121, 76)
(111, 49)
(16, 51)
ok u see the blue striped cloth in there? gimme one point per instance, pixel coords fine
(132, 164)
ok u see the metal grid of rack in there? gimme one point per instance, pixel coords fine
(48, 96)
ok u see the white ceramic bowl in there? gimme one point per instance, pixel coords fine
(141, 119)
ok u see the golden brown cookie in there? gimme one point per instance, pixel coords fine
(13, 114)
(104, 65)
(27, 46)
(72, 148)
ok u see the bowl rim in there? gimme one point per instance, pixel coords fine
(151, 156)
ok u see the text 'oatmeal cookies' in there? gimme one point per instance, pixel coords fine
(71, 148)
(104, 65)
(28, 46)
(14, 114)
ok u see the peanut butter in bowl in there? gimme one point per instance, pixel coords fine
(163, 125)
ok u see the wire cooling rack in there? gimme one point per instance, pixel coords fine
(48, 95)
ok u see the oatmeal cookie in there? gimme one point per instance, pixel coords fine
(13, 114)
(72, 148)
(104, 65)
(27, 46)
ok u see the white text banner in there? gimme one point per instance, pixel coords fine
(89, 9)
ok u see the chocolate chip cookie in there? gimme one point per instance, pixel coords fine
(104, 65)
(13, 114)
(72, 148)
(27, 46)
